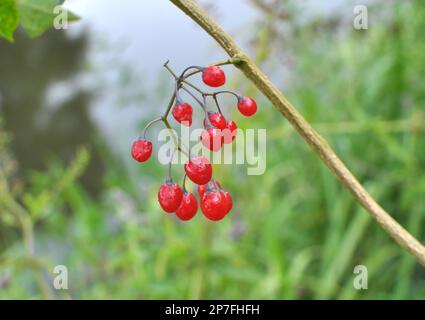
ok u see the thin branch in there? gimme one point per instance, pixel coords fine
(204, 107)
(269, 9)
(316, 142)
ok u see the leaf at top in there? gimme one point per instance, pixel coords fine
(8, 19)
(72, 17)
(38, 15)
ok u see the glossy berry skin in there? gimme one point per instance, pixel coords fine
(202, 188)
(141, 150)
(212, 139)
(247, 106)
(213, 205)
(213, 76)
(198, 169)
(183, 112)
(229, 134)
(188, 207)
(228, 200)
(217, 120)
(170, 196)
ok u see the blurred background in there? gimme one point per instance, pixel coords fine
(71, 103)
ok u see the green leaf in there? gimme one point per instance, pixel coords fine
(8, 19)
(72, 17)
(38, 15)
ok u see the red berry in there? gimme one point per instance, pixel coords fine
(141, 150)
(183, 113)
(170, 196)
(247, 106)
(202, 188)
(188, 207)
(229, 134)
(199, 170)
(217, 120)
(213, 76)
(212, 139)
(214, 205)
(228, 199)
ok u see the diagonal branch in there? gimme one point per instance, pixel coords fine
(316, 142)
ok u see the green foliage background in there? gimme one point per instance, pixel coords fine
(294, 232)
(35, 15)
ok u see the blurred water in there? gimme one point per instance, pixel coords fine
(100, 77)
(154, 31)
(44, 130)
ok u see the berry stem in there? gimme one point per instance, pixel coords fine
(211, 185)
(167, 124)
(207, 118)
(170, 105)
(176, 93)
(182, 79)
(217, 64)
(190, 67)
(227, 91)
(175, 138)
(194, 87)
(234, 61)
(217, 104)
(148, 125)
(184, 183)
(170, 71)
(215, 184)
(170, 164)
(196, 99)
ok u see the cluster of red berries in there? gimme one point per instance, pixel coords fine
(215, 202)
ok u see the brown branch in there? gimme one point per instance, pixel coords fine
(316, 142)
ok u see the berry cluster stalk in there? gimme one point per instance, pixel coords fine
(180, 82)
(215, 202)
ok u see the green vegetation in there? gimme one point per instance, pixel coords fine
(35, 15)
(294, 232)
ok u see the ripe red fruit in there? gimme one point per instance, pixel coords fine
(141, 150)
(198, 169)
(170, 196)
(212, 139)
(213, 76)
(214, 205)
(217, 120)
(188, 207)
(202, 188)
(229, 134)
(183, 112)
(228, 200)
(247, 106)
